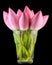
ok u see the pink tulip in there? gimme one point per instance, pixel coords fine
(29, 12)
(24, 20)
(11, 19)
(38, 21)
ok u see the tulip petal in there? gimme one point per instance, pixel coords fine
(37, 21)
(24, 22)
(6, 21)
(32, 12)
(13, 19)
(19, 13)
(29, 12)
(45, 20)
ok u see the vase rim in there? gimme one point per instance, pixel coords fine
(19, 31)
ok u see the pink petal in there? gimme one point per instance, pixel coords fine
(24, 22)
(32, 12)
(19, 13)
(37, 21)
(29, 12)
(13, 19)
(6, 21)
(45, 20)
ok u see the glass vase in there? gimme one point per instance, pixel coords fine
(25, 44)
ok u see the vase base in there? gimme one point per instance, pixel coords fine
(24, 61)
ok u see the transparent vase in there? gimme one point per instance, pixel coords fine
(25, 44)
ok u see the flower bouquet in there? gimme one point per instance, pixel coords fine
(25, 26)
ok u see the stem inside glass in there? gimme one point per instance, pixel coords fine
(25, 43)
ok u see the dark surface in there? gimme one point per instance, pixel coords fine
(42, 54)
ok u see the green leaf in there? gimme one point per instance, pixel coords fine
(16, 38)
(32, 45)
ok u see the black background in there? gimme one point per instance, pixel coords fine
(42, 54)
